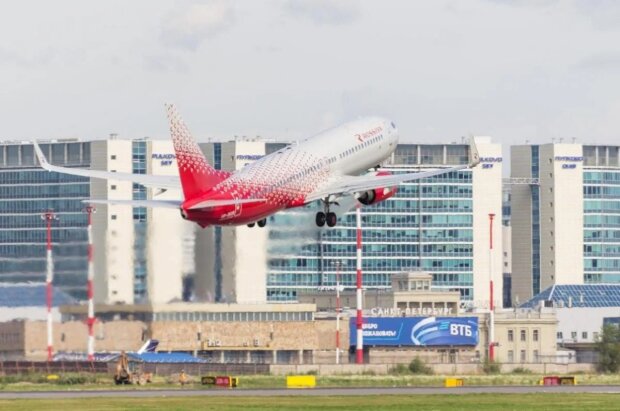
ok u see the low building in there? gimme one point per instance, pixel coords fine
(411, 294)
(581, 312)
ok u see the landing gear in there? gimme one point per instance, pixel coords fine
(251, 225)
(326, 216)
(261, 223)
(331, 219)
(320, 219)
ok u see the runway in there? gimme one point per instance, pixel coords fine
(319, 392)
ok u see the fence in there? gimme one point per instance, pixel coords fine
(53, 367)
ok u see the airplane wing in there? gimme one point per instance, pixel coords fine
(139, 203)
(352, 185)
(164, 182)
(175, 203)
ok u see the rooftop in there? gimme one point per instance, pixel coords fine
(584, 295)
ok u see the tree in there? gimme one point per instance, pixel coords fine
(608, 348)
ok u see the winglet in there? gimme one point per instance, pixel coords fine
(42, 160)
(474, 155)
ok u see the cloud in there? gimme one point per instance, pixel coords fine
(325, 12)
(601, 61)
(165, 63)
(188, 27)
(525, 3)
(11, 57)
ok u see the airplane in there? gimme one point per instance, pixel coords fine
(150, 346)
(327, 167)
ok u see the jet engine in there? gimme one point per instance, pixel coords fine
(378, 194)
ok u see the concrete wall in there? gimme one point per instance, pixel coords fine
(113, 233)
(487, 198)
(166, 233)
(30, 337)
(192, 336)
(439, 369)
(561, 216)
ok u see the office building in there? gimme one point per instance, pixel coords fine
(27, 191)
(565, 216)
(439, 225)
(141, 254)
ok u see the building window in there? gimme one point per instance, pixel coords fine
(536, 356)
(535, 335)
(113, 216)
(113, 187)
(113, 157)
(595, 335)
(559, 335)
(523, 335)
(584, 335)
(511, 336)
(511, 356)
(523, 356)
(573, 335)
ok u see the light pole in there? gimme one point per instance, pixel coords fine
(338, 309)
(491, 304)
(48, 217)
(359, 348)
(90, 288)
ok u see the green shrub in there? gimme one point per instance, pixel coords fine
(491, 367)
(521, 370)
(417, 366)
(399, 369)
(608, 348)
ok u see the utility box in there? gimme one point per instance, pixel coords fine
(453, 382)
(300, 381)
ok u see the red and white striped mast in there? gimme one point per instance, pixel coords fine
(48, 217)
(337, 312)
(90, 288)
(491, 304)
(359, 348)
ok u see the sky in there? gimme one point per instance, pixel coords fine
(519, 71)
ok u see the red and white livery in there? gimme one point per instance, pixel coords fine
(334, 164)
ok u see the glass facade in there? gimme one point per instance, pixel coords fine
(26, 191)
(138, 166)
(601, 193)
(426, 226)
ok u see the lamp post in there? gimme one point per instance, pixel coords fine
(359, 348)
(338, 309)
(491, 304)
(90, 289)
(49, 217)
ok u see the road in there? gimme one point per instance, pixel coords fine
(611, 389)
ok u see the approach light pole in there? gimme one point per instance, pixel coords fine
(49, 217)
(359, 348)
(338, 310)
(491, 304)
(90, 288)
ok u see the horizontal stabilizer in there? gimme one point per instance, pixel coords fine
(221, 203)
(139, 203)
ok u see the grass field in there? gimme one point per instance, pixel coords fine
(38, 383)
(475, 402)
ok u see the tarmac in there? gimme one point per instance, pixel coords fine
(312, 392)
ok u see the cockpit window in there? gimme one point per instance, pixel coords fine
(393, 125)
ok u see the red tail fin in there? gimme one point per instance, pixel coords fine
(197, 176)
